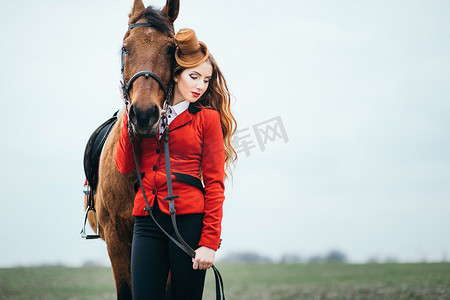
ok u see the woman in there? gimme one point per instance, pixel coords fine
(200, 126)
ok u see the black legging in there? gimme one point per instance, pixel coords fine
(153, 254)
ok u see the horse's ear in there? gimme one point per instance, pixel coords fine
(137, 11)
(171, 9)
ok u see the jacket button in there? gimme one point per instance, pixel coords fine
(154, 168)
(158, 151)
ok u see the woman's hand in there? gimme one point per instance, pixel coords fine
(204, 258)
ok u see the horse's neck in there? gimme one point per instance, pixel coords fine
(109, 149)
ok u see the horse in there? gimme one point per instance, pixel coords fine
(149, 44)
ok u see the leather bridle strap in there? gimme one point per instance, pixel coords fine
(147, 24)
(146, 74)
(140, 25)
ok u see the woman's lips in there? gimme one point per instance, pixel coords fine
(196, 95)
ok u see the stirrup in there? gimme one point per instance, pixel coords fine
(83, 231)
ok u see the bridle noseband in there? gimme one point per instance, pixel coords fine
(126, 87)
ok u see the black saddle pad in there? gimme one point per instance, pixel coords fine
(93, 150)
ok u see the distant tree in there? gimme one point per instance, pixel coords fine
(91, 263)
(246, 257)
(391, 260)
(316, 259)
(373, 260)
(336, 256)
(290, 258)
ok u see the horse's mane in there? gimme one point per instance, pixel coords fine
(157, 18)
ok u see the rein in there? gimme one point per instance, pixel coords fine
(180, 242)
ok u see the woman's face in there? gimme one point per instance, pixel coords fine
(192, 83)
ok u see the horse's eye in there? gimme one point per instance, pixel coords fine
(171, 50)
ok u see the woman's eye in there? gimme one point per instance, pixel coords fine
(193, 77)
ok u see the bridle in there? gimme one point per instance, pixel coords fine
(126, 87)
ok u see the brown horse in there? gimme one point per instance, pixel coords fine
(145, 48)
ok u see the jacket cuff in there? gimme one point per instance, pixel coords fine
(215, 245)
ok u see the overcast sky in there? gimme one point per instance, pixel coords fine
(360, 87)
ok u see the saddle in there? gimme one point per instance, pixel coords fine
(94, 149)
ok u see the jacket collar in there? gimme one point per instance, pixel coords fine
(193, 109)
(185, 117)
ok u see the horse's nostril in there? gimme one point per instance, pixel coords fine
(132, 114)
(144, 117)
(131, 111)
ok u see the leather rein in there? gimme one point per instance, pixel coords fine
(180, 242)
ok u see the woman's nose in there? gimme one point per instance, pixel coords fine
(201, 85)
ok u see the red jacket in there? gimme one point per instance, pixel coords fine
(195, 143)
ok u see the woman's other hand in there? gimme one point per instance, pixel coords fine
(204, 258)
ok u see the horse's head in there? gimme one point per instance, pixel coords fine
(147, 56)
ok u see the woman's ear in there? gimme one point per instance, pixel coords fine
(176, 77)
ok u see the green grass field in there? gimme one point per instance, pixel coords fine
(249, 281)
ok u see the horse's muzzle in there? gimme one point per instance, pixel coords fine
(144, 122)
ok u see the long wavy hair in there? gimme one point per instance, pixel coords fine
(218, 97)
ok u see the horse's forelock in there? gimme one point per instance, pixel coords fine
(157, 19)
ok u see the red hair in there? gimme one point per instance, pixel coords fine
(218, 97)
